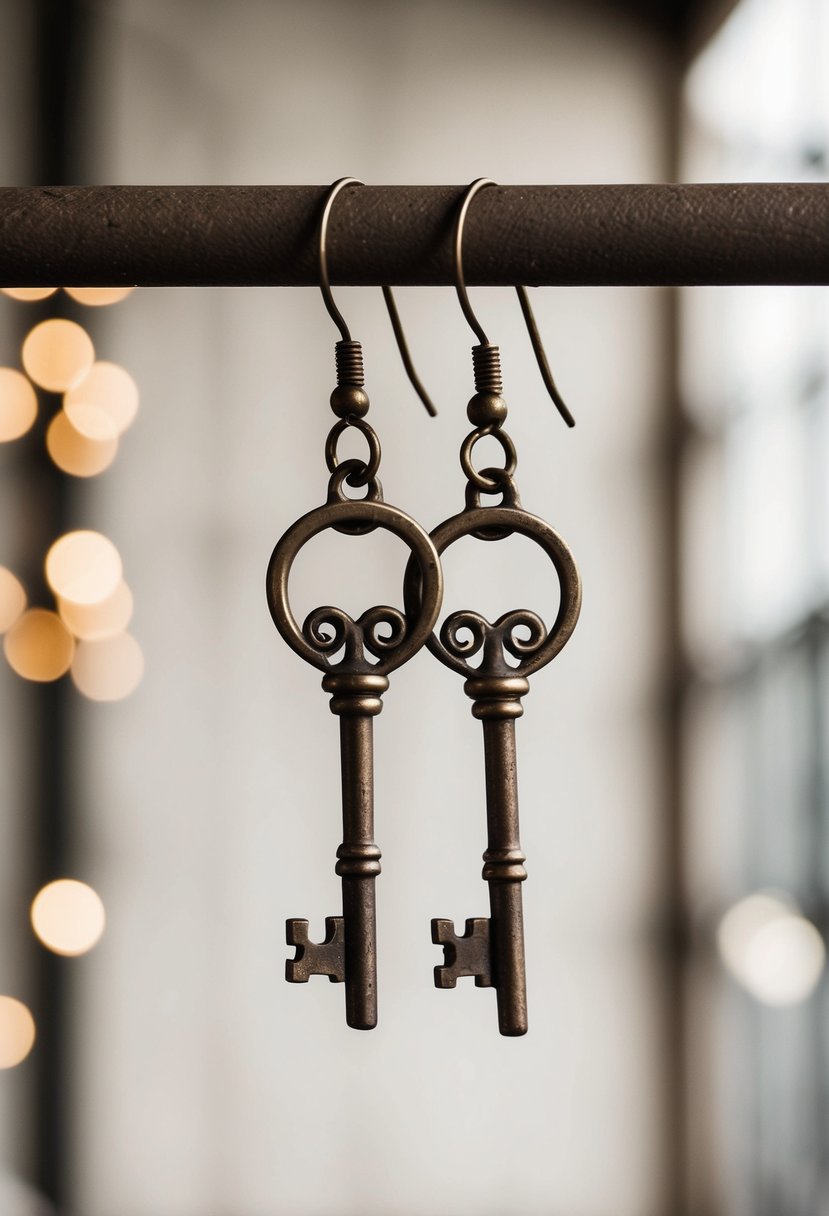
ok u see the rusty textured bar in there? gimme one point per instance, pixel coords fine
(222, 236)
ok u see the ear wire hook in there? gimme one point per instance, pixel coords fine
(523, 299)
(337, 316)
(322, 256)
(402, 346)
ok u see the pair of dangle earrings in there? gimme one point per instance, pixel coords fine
(357, 657)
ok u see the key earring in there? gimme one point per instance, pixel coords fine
(493, 950)
(355, 683)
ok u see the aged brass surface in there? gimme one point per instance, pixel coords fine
(494, 951)
(356, 685)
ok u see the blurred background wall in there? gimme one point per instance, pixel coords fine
(174, 1073)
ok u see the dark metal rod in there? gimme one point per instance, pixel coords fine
(223, 236)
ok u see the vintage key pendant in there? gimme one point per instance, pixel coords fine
(356, 686)
(493, 950)
(343, 648)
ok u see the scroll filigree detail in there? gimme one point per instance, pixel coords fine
(464, 634)
(379, 632)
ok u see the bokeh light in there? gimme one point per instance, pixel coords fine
(57, 354)
(91, 622)
(39, 646)
(96, 296)
(68, 916)
(17, 1032)
(104, 403)
(12, 599)
(90, 420)
(109, 669)
(75, 453)
(84, 567)
(28, 293)
(18, 404)
(771, 949)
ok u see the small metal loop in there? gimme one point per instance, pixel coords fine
(480, 479)
(360, 476)
(508, 490)
(503, 483)
(368, 470)
(352, 473)
(322, 255)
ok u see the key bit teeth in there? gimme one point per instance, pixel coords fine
(465, 955)
(315, 958)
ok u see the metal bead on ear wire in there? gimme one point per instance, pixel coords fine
(369, 648)
(493, 950)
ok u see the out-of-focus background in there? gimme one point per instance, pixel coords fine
(166, 754)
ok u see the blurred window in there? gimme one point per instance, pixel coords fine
(755, 604)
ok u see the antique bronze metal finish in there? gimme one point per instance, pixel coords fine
(356, 657)
(510, 649)
(487, 359)
(388, 296)
(402, 346)
(356, 686)
(493, 951)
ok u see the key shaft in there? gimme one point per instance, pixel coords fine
(349, 951)
(358, 865)
(504, 872)
(493, 950)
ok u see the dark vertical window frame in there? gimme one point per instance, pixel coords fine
(60, 79)
(700, 22)
(777, 1158)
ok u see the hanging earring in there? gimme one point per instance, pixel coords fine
(355, 683)
(493, 950)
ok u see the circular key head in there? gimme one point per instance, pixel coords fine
(384, 632)
(519, 633)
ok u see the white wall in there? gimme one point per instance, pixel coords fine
(209, 1086)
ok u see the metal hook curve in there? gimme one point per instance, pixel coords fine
(541, 357)
(405, 355)
(523, 299)
(322, 255)
(334, 312)
(460, 282)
